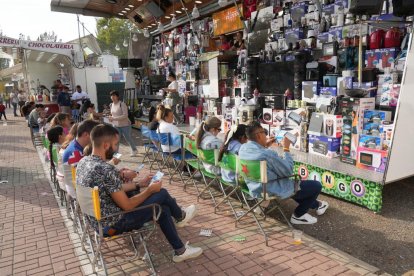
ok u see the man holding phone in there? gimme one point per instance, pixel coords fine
(94, 170)
(277, 168)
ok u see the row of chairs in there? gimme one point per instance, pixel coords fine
(82, 204)
(212, 185)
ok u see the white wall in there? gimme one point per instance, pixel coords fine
(47, 73)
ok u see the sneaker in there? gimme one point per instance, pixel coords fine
(134, 154)
(322, 208)
(190, 213)
(189, 253)
(305, 219)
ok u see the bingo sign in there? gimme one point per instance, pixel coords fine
(357, 188)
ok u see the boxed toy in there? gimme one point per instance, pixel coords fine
(381, 58)
(324, 146)
(328, 91)
(310, 91)
(332, 125)
(376, 116)
(386, 135)
(372, 159)
(352, 114)
(371, 142)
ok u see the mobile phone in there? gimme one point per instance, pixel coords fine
(140, 167)
(157, 176)
(118, 156)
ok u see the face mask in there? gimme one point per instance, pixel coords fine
(109, 154)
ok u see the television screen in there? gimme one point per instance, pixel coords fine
(274, 78)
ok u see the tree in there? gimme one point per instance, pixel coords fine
(111, 35)
(47, 37)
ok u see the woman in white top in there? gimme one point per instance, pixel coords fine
(167, 126)
(172, 91)
(119, 119)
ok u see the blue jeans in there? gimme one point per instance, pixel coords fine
(306, 196)
(15, 109)
(170, 209)
(126, 132)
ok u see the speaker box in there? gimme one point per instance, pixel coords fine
(127, 63)
(403, 7)
(154, 9)
(123, 63)
(361, 7)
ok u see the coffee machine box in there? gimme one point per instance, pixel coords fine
(352, 114)
(332, 125)
(324, 146)
(310, 91)
(381, 58)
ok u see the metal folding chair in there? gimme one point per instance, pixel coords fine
(256, 171)
(90, 207)
(149, 147)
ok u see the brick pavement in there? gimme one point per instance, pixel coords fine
(36, 236)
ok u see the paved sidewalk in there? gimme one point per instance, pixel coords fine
(36, 236)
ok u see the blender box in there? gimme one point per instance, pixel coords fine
(369, 141)
(332, 125)
(324, 146)
(310, 91)
(372, 159)
(381, 58)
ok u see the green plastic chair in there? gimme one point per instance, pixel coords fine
(209, 157)
(190, 146)
(256, 171)
(229, 162)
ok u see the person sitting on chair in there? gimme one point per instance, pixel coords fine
(94, 170)
(278, 171)
(233, 141)
(167, 126)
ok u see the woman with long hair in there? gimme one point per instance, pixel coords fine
(233, 141)
(167, 126)
(206, 138)
(156, 118)
(63, 120)
(56, 136)
(72, 135)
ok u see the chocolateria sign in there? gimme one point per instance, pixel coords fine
(67, 49)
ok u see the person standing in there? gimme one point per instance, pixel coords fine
(2, 110)
(7, 100)
(22, 99)
(14, 101)
(64, 101)
(173, 93)
(119, 119)
(78, 96)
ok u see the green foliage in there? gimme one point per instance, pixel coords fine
(112, 32)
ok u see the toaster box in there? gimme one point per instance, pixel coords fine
(324, 146)
(371, 142)
(381, 58)
(376, 116)
(310, 91)
(372, 159)
(332, 125)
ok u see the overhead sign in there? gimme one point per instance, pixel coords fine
(67, 49)
(227, 21)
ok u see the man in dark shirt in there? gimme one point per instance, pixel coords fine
(94, 170)
(64, 101)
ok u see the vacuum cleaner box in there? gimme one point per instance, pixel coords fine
(324, 146)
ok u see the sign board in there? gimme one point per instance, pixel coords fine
(67, 49)
(227, 21)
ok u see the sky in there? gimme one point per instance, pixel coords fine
(33, 17)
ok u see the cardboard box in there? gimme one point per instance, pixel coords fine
(310, 91)
(293, 35)
(276, 24)
(294, 117)
(328, 91)
(278, 117)
(352, 114)
(324, 146)
(279, 134)
(336, 32)
(332, 125)
(343, 83)
(376, 116)
(324, 37)
(371, 142)
(328, 9)
(367, 85)
(267, 115)
(381, 58)
(390, 94)
(386, 135)
(316, 124)
(372, 159)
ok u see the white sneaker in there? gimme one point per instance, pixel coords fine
(305, 219)
(322, 209)
(189, 253)
(134, 154)
(190, 213)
